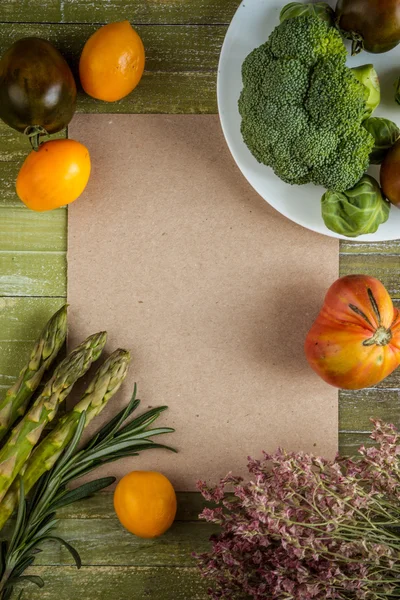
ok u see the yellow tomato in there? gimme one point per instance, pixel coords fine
(112, 62)
(145, 503)
(54, 175)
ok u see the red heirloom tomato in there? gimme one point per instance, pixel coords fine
(355, 340)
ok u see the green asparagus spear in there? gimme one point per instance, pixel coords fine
(16, 400)
(104, 385)
(26, 434)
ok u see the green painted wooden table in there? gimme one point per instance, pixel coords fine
(183, 40)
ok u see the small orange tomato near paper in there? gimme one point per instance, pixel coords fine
(354, 342)
(112, 62)
(145, 503)
(54, 175)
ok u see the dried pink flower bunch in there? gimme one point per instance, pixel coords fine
(307, 528)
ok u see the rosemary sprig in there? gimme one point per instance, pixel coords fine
(36, 518)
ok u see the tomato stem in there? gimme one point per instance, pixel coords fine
(357, 40)
(381, 337)
(34, 132)
(357, 44)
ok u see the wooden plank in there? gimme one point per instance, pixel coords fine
(168, 48)
(162, 93)
(391, 247)
(100, 506)
(122, 583)
(8, 177)
(33, 274)
(349, 442)
(22, 319)
(13, 357)
(142, 11)
(22, 229)
(386, 268)
(14, 146)
(102, 542)
(357, 407)
(190, 505)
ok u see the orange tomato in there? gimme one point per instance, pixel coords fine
(355, 341)
(112, 62)
(145, 503)
(53, 176)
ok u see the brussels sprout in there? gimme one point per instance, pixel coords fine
(357, 211)
(299, 9)
(386, 134)
(367, 75)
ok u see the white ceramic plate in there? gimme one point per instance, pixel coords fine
(250, 27)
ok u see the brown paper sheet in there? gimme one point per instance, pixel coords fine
(174, 254)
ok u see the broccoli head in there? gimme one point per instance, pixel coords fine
(302, 108)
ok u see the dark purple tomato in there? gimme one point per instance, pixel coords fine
(37, 88)
(373, 25)
(390, 175)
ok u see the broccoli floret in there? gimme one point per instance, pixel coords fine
(307, 39)
(316, 147)
(256, 64)
(350, 158)
(336, 99)
(288, 81)
(302, 108)
(258, 138)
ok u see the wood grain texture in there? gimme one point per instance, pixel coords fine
(376, 248)
(14, 146)
(119, 583)
(169, 48)
(93, 529)
(22, 230)
(350, 442)
(33, 274)
(357, 408)
(22, 319)
(8, 177)
(385, 267)
(143, 11)
(104, 542)
(13, 357)
(162, 93)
